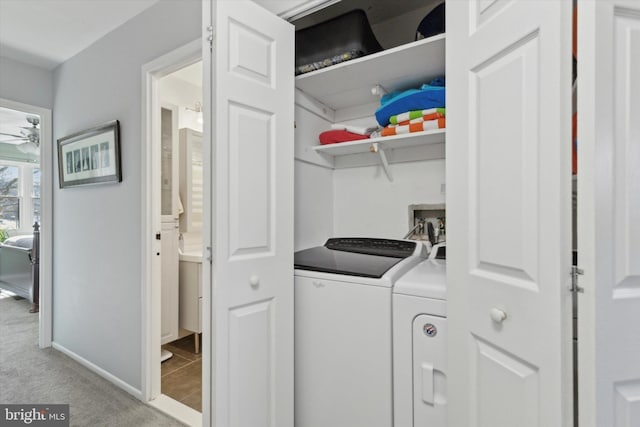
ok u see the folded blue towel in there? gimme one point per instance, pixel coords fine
(428, 96)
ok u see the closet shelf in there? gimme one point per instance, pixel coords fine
(349, 84)
(386, 143)
(383, 148)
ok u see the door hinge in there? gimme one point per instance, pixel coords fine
(575, 272)
(210, 255)
(210, 37)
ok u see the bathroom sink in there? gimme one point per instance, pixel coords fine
(190, 247)
(190, 256)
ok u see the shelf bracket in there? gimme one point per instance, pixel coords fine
(379, 91)
(383, 159)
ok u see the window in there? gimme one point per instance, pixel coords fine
(9, 197)
(19, 195)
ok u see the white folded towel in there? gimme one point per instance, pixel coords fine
(360, 130)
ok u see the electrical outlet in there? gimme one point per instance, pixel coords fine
(443, 188)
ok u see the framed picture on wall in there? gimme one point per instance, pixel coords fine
(91, 156)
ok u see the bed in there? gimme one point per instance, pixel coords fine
(16, 270)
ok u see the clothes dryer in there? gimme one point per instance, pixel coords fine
(419, 345)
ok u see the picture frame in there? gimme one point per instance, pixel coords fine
(91, 156)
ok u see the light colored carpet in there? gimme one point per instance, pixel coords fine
(29, 374)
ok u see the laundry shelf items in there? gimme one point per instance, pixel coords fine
(349, 84)
(347, 87)
(384, 149)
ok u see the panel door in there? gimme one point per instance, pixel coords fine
(509, 212)
(609, 212)
(252, 182)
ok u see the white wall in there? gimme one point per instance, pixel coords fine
(402, 29)
(25, 83)
(313, 186)
(313, 205)
(97, 250)
(367, 204)
(361, 201)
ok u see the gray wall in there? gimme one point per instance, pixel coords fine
(97, 250)
(26, 83)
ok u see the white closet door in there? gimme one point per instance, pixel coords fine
(252, 182)
(509, 213)
(609, 212)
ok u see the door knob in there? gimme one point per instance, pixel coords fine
(497, 315)
(254, 281)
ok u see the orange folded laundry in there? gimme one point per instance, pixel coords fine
(335, 136)
(425, 118)
(414, 127)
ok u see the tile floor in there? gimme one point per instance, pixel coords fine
(182, 374)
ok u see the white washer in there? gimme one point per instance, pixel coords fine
(419, 345)
(343, 337)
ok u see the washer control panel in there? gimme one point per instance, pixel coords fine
(369, 246)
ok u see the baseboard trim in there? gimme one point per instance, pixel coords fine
(177, 410)
(98, 370)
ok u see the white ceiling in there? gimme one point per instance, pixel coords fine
(191, 74)
(45, 33)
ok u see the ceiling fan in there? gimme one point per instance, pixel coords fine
(29, 139)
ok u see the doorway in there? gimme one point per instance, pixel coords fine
(181, 210)
(172, 239)
(26, 160)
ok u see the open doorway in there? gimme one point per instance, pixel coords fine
(25, 209)
(181, 206)
(172, 239)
